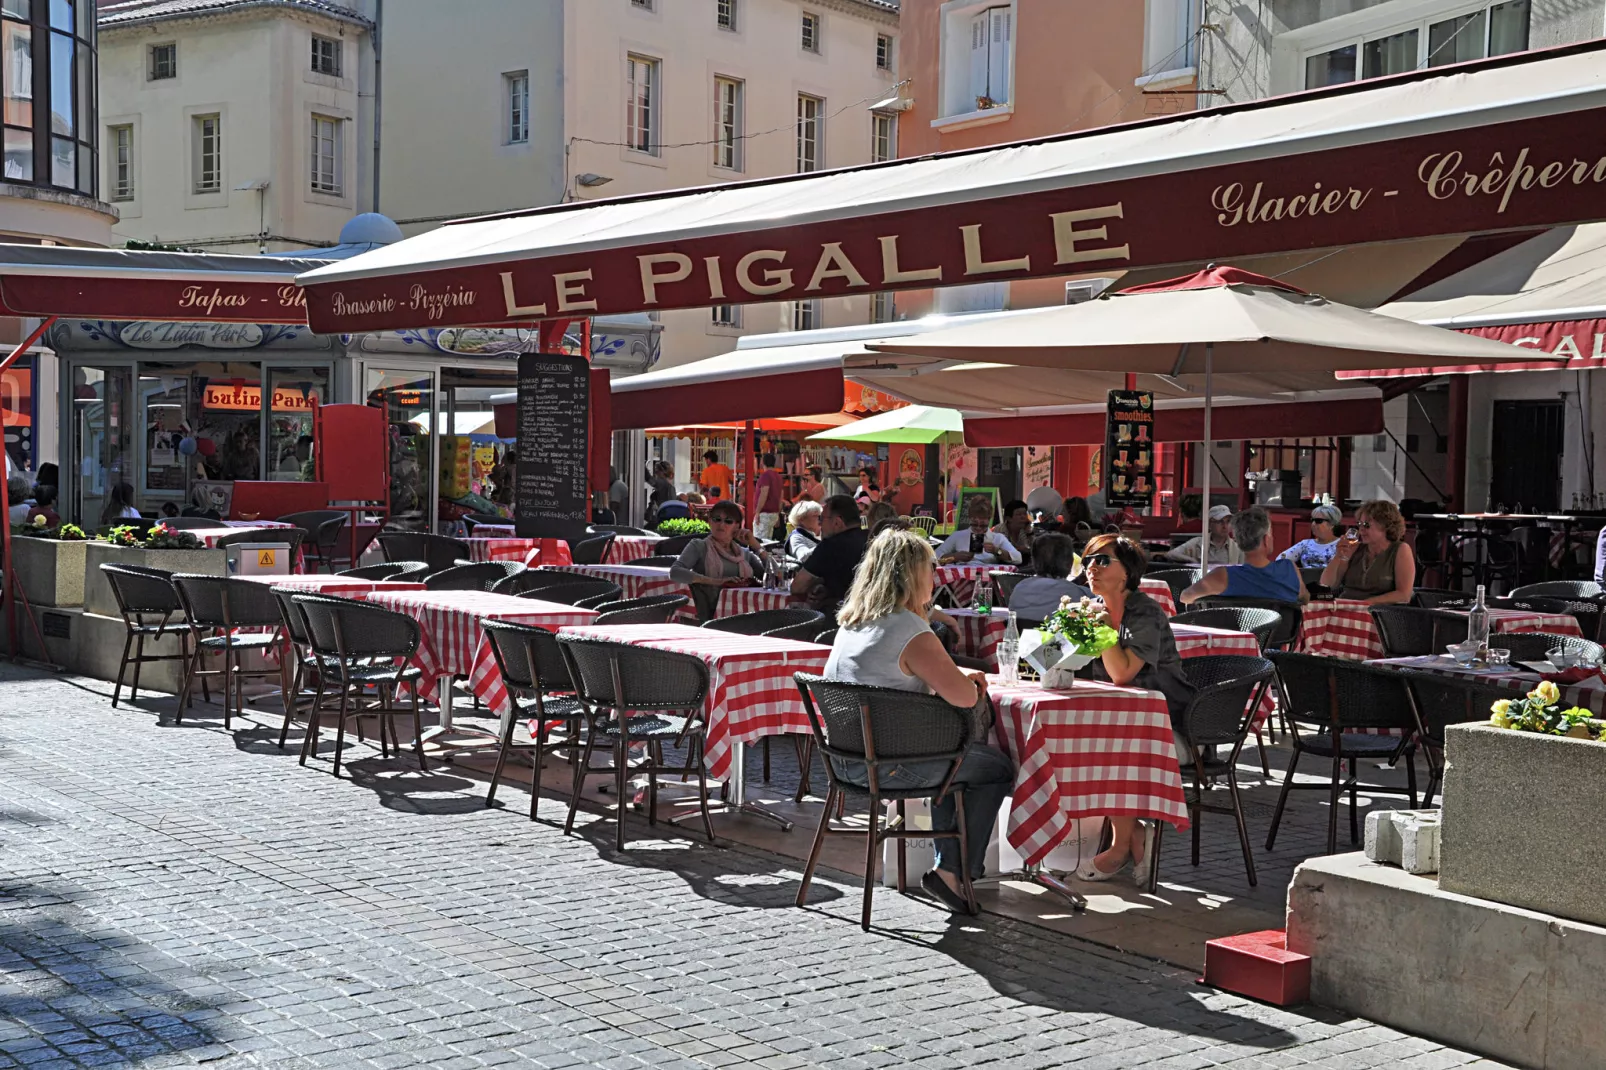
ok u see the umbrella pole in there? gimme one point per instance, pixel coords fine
(1204, 507)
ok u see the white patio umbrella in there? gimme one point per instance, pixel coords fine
(1220, 320)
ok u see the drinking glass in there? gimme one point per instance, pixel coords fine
(982, 600)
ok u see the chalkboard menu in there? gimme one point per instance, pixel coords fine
(549, 496)
(1129, 449)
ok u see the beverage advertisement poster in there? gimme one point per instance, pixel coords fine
(1129, 449)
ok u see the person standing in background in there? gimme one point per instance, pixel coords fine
(768, 490)
(814, 483)
(716, 478)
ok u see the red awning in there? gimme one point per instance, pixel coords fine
(746, 384)
(1294, 419)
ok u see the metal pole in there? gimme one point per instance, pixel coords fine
(1204, 506)
(12, 586)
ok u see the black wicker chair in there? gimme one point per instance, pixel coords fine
(1445, 700)
(1435, 598)
(1409, 631)
(1004, 584)
(803, 631)
(1264, 624)
(321, 528)
(298, 663)
(672, 546)
(879, 728)
(532, 666)
(535, 579)
(412, 571)
(827, 637)
(1587, 612)
(1291, 614)
(590, 551)
(148, 602)
(579, 589)
(1178, 579)
(1533, 646)
(1221, 713)
(633, 694)
(436, 551)
(653, 609)
(1338, 709)
(478, 577)
(358, 646)
(222, 605)
(766, 621)
(1572, 590)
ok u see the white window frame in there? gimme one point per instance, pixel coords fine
(339, 56)
(729, 120)
(884, 57)
(1170, 37)
(516, 98)
(804, 314)
(883, 136)
(810, 133)
(958, 97)
(810, 30)
(120, 154)
(726, 316)
(1290, 51)
(150, 61)
(726, 15)
(883, 307)
(204, 181)
(641, 117)
(326, 159)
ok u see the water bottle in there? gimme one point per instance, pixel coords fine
(982, 600)
(1009, 652)
(1478, 625)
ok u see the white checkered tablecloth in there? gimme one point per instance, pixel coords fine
(1160, 591)
(1094, 750)
(751, 693)
(454, 644)
(734, 601)
(1589, 693)
(627, 548)
(979, 635)
(1344, 629)
(961, 579)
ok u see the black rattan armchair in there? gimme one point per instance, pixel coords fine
(436, 551)
(1574, 590)
(1533, 646)
(1220, 714)
(1291, 614)
(534, 579)
(590, 551)
(148, 602)
(1264, 624)
(765, 621)
(1445, 700)
(653, 609)
(221, 606)
(579, 589)
(321, 528)
(483, 576)
(1409, 631)
(532, 665)
(414, 571)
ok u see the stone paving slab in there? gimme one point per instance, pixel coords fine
(176, 895)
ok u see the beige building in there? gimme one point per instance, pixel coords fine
(235, 127)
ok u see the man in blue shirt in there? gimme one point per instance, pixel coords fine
(1260, 576)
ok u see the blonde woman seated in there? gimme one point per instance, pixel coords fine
(884, 639)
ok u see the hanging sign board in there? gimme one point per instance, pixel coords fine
(1129, 449)
(554, 404)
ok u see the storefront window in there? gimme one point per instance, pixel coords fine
(294, 395)
(470, 448)
(203, 428)
(408, 397)
(102, 439)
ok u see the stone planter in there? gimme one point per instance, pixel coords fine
(98, 597)
(1521, 820)
(52, 572)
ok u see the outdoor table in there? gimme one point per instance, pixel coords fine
(961, 579)
(336, 586)
(751, 693)
(639, 581)
(452, 642)
(1160, 591)
(627, 548)
(1344, 629)
(530, 552)
(1589, 693)
(979, 634)
(1093, 750)
(734, 601)
(255, 524)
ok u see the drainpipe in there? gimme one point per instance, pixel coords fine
(379, 82)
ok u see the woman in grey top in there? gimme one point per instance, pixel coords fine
(1145, 656)
(884, 639)
(729, 556)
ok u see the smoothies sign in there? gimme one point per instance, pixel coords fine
(1129, 449)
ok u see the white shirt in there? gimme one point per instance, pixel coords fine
(1219, 555)
(996, 548)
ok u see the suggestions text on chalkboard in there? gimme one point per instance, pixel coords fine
(549, 496)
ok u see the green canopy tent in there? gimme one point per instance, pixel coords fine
(920, 424)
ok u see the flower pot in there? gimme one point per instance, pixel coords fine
(1062, 677)
(52, 572)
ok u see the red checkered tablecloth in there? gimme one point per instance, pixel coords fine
(1094, 750)
(1194, 641)
(627, 548)
(979, 635)
(454, 644)
(751, 693)
(961, 579)
(737, 600)
(1344, 629)
(1590, 693)
(1160, 591)
(338, 586)
(637, 581)
(532, 552)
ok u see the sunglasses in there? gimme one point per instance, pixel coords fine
(1320, 520)
(1098, 561)
(720, 520)
(1363, 525)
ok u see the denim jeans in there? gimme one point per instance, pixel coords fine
(986, 774)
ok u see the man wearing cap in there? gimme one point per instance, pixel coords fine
(1223, 551)
(1317, 551)
(1260, 575)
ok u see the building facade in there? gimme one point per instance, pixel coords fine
(236, 128)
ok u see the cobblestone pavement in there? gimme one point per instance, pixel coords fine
(176, 894)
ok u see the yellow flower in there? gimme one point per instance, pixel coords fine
(1502, 707)
(1500, 719)
(1548, 691)
(40, 522)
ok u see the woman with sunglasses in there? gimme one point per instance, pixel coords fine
(729, 556)
(1317, 551)
(1145, 655)
(1372, 564)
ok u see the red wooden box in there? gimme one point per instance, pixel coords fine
(1260, 966)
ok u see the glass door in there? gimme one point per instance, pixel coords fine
(102, 441)
(294, 395)
(408, 398)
